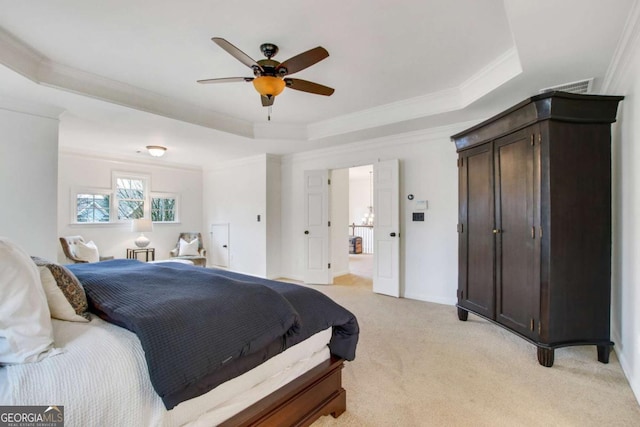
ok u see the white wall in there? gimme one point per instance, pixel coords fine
(428, 170)
(339, 205)
(28, 176)
(625, 80)
(78, 170)
(236, 194)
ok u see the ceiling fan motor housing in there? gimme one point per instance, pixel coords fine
(269, 49)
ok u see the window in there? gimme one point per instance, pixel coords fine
(128, 198)
(92, 206)
(164, 207)
(131, 196)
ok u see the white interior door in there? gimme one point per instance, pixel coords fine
(219, 251)
(316, 227)
(386, 231)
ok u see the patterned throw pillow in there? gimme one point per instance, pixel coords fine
(65, 294)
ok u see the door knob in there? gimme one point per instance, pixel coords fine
(392, 234)
(306, 231)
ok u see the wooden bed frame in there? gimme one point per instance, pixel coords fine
(316, 393)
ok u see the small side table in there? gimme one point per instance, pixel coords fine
(148, 252)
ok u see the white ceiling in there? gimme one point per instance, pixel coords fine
(396, 67)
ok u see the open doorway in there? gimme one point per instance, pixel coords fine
(361, 221)
(328, 229)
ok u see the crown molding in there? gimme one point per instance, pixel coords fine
(625, 50)
(30, 108)
(425, 105)
(420, 136)
(279, 131)
(126, 160)
(258, 159)
(495, 74)
(490, 77)
(33, 65)
(19, 57)
(83, 83)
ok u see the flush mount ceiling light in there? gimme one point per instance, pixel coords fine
(156, 150)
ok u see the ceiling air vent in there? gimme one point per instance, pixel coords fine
(581, 86)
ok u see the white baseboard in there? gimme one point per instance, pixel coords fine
(428, 298)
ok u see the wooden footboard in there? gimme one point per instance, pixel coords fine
(316, 393)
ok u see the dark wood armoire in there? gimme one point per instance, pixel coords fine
(535, 221)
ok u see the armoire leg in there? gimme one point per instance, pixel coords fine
(463, 314)
(603, 353)
(545, 356)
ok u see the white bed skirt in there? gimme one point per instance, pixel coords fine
(101, 378)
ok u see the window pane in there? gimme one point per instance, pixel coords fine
(92, 208)
(130, 209)
(130, 195)
(130, 188)
(163, 209)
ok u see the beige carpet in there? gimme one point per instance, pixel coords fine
(418, 365)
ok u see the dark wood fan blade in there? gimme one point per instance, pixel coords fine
(226, 80)
(236, 53)
(267, 101)
(304, 60)
(311, 87)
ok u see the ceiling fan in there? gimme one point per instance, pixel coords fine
(270, 76)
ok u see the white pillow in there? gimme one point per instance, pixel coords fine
(26, 333)
(87, 251)
(188, 248)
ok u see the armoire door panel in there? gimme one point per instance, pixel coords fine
(478, 241)
(515, 266)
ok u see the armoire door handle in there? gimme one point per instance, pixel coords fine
(306, 231)
(392, 234)
(497, 231)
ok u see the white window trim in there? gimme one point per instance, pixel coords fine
(175, 196)
(89, 190)
(147, 193)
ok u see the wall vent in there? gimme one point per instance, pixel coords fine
(581, 86)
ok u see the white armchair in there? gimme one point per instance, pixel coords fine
(70, 245)
(197, 255)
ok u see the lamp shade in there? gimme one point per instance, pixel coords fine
(141, 225)
(268, 85)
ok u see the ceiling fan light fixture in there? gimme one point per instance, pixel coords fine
(269, 85)
(156, 150)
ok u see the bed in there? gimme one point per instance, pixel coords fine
(113, 371)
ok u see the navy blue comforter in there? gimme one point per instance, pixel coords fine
(200, 327)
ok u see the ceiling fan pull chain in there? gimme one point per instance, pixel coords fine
(269, 114)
